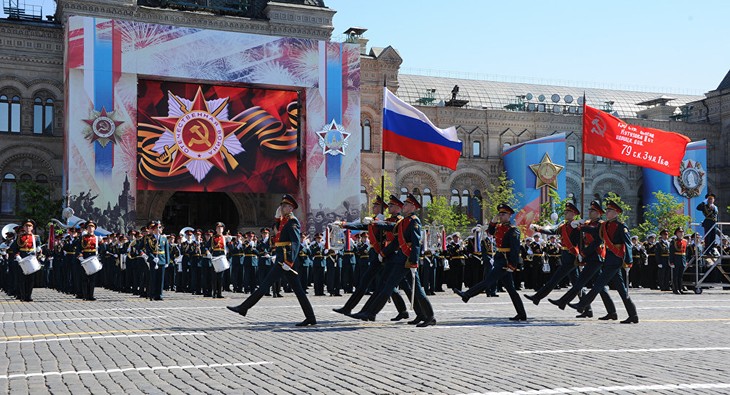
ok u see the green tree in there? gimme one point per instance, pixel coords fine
(37, 204)
(372, 187)
(439, 211)
(666, 213)
(554, 205)
(500, 192)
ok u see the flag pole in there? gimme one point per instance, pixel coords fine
(382, 155)
(583, 160)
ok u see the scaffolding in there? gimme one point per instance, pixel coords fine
(703, 263)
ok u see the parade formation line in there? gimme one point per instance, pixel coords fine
(70, 334)
(129, 336)
(580, 390)
(133, 369)
(623, 350)
(84, 319)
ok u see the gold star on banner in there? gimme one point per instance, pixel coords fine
(546, 172)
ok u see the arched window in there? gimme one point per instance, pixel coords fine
(42, 116)
(476, 149)
(571, 153)
(426, 197)
(403, 194)
(9, 114)
(465, 198)
(454, 198)
(366, 136)
(8, 194)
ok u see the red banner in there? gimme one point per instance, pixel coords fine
(610, 137)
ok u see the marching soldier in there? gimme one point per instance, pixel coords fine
(195, 263)
(286, 249)
(506, 261)
(456, 255)
(263, 247)
(157, 253)
(678, 256)
(591, 258)
(403, 256)
(379, 239)
(615, 236)
(568, 250)
(25, 244)
(303, 264)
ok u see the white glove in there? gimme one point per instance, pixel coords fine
(116, 255)
(509, 270)
(209, 255)
(534, 227)
(529, 251)
(446, 265)
(18, 258)
(380, 217)
(380, 258)
(278, 213)
(326, 250)
(38, 250)
(156, 260)
(367, 221)
(574, 224)
(659, 266)
(580, 258)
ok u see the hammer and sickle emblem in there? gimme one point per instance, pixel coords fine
(202, 138)
(103, 127)
(599, 127)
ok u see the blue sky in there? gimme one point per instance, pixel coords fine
(667, 46)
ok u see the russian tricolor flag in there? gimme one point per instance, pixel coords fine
(408, 132)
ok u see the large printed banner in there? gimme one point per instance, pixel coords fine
(610, 137)
(195, 137)
(123, 111)
(535, 166)
(690, 187)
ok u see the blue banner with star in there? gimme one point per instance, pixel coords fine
(689, 188)
(535, 166)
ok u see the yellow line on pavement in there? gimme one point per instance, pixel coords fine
(71, 334)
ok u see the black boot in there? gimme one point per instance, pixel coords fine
(307, 322)
(402, 315)
(585, 314)
(634, 319)
(609, 316)
(238, 309)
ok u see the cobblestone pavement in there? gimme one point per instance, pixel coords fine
(189, 344)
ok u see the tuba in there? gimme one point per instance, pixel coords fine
(336, 236)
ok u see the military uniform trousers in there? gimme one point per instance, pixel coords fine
(367, 278)
(498, 273)
(589, 271)
(566, 268)
(275, 274)
(396, 272)
(611, 274)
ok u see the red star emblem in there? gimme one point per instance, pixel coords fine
(198, 133)
(103, 127)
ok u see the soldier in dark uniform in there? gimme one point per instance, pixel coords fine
(379, 238)
(662, 260)
(710, 211)
(678, 257)
(363, 258)
(303, 264)
(26, 243)
(263, 248)
(157, 251)
(348, 264)
(235, 246)
(569, 250)
(318, 265)
(506, 261)
(250, 263)
(69, 261)
(648, 274)
(334, 271)
(639, 254)
(552, 252)
(591, 258)
(287, 248)
(456, 255)
(206, 264)
(615, 235)
(402, 257)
